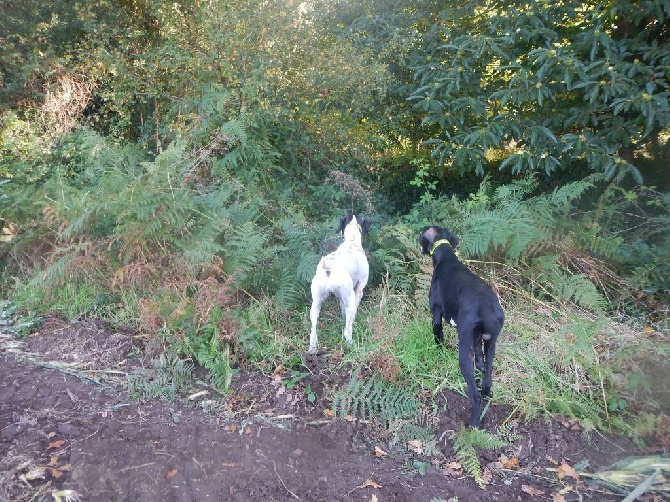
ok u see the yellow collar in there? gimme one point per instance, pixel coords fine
(438, 243)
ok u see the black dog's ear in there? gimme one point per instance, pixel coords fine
(430, 235)
(453, 240)
(426, 239)
(365, 224)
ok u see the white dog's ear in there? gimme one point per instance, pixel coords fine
(344, 221)
(365, 225)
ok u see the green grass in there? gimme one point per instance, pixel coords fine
(80, 300)
(71, 300)
(570, 363)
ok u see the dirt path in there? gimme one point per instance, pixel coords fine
(68, 423)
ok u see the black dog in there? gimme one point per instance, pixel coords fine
(467, 302)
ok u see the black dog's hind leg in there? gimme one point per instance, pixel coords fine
(480, 363)
(489, 350)
(437, 326)
(467, 367)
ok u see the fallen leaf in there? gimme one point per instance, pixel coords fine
(531, 490)
(496, 466)
(558, 497)
(510, 463)
(171, 474)
(371, 484)
(453, 469)
(416, 446)
(51, 434)
(565, 470)
(52, 461)
(56, 444)
(570, 423)
(36, 472)
(328, 412)
(55, 473)
(350, 418)
(379, 452)
(487, 476)
(65, 495)
(231, 428)
(648, 331)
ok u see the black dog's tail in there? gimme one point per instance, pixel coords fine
(493, 325)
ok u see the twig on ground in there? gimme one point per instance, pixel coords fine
(282, 481)
(132, 467)
(642, 487)
(201, 467)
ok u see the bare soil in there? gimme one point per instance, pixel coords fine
(67, 422)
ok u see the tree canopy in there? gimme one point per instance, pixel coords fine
(518, 86)
(545, 85)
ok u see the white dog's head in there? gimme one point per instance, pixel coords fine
(351, 228)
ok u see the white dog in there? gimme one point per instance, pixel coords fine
(344, 272)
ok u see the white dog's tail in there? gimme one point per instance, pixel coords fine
(326, 265)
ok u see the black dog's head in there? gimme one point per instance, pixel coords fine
(430, 235)
(363, 223)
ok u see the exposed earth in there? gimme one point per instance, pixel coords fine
(69, 430)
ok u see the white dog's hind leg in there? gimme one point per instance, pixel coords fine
(348, 302)
(359, 290)
(314, 317)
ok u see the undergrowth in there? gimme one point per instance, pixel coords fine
(199, 249)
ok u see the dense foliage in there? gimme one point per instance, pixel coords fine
(546, 86)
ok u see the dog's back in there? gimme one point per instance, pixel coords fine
(346, 265)
(460, 292)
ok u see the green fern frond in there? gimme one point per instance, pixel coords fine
(371, 398)
(402, 431)
(168, 376)
(578, 289)
(517, 223)
(564, 196)
(243, 245)
(466, 442)
(208, 351)
(290, 291)
(561, 285)
(307, 266)
(506, 432)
